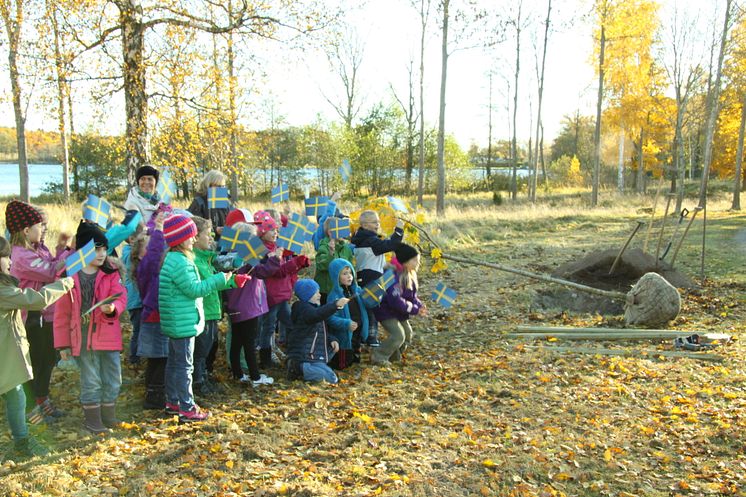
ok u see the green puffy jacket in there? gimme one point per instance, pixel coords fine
(203, 259)
(324, 257)
(180, 295)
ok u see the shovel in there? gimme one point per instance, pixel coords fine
(682, 216)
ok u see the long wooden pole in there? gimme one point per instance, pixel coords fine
(663, 229)
(566, 329)
(538, 276)
(633, 353)
(681, 240)
(663, 335)
(621, 252)
(652, 215)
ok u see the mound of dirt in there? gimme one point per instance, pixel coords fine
(593, 270)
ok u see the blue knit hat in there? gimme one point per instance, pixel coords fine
(305, 289)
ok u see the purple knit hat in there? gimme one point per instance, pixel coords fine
(178, 229)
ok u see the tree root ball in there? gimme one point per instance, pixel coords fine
(652, 302)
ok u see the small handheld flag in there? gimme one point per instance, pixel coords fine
(217, 197)
(374, 291)
(397, 204)
(97, 210)
(252, 250)
(295, 234)
(230, 239)
(166, 188)
(444, 295)
(280, 193)
(339, 227)
(80, 258)
(345, 170)
(316, 206)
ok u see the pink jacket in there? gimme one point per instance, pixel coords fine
(104, 332)
(36, 268)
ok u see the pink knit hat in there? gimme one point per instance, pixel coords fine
(178, 229)
(264, 223)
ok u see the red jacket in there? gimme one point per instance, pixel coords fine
(280, 283)
(104, 332)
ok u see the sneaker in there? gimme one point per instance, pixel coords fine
(263, 380)
(245, 379)
(171, 409)
(372, 342)
(196, 414)
(51, 410)
(36, 416)
(29, 447)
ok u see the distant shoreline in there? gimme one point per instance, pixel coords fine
(50, 162)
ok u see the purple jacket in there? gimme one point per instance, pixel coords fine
(147, 277)
(398, 303)
(250, 301)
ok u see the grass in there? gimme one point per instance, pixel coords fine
(471, 413)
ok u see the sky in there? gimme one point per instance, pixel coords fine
(298, 82)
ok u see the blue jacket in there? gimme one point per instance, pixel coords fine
(307, 339)
(133, 294)
(319, 234)
(340, 322)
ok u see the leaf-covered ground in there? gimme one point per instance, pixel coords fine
(470, 412)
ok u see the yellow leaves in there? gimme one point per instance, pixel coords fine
(229, 464)
(367, 420)
(611, 451)
(420, 218)
(607, 455)
(439, 266)
(436, 253)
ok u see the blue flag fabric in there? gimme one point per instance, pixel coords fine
(443, 295)
(80, 258)
(293, 236)
(217, 197)
(339, 227)
(345, 170)
(397, 204)
(315, 206)
(252, 250)
(97, 209)
(166, 187)
(230, 239)
(374, 291)
(280, 193)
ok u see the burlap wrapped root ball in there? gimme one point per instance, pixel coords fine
(653, 301)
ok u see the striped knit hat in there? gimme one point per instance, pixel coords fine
(19, 215)
(178, 229)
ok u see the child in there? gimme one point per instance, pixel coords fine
(95, 340)
(180, 296)
(349, 324)
(310, 346)
(279, 286)
(204, 256)
(245, 306)
(328, 250)
(34, 266)
(398, 304)
(15, 363)
(147, 257)
(369, 250)
(134, 302)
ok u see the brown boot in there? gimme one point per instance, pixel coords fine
(92, 419)
(109, 415)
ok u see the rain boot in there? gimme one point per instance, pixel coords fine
(92, 419)
(109, 415)
(24, 448)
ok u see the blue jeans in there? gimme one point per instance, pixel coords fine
(15, 410)
(100, 376)
(279, 311)
(318, 371)
(202, 346)
(179, 369)
(135, 320)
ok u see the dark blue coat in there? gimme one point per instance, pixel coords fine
(308, 339)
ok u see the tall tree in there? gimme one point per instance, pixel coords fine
(602, 11)
(345, 58)
(440, 203)
(424, 13)
(537, 142)
(517, 22)
(410, 117)
(12, 13)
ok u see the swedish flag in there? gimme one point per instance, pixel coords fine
(252, 250)
(217, 197)
(166, 187)
(315, 206)
(97, 210)
(444, 295)
(339, 227)
(345, 170)
(230, 239)
(280, 193)
(295, 234)
(80, 259)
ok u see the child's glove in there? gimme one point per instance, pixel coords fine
(241, 279)
(303, 261)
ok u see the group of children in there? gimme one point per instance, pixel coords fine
(176, 287)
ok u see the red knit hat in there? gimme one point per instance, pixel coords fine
(238, 216)
(178, 229)
(264, 222)
(19, 215)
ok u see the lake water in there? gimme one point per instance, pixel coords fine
(39, 175)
